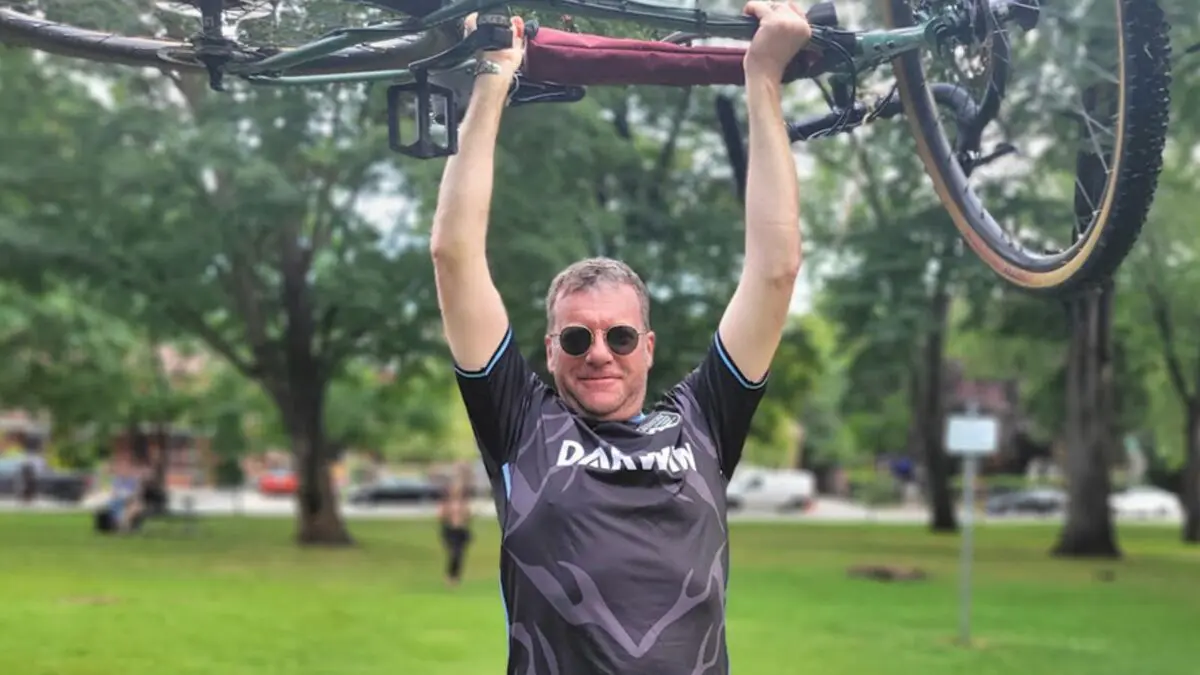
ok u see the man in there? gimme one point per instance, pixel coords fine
(615, 548)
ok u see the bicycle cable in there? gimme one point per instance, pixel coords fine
(848, 58)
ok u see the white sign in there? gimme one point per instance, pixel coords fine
(972, 435)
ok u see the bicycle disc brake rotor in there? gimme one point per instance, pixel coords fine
(969, 55)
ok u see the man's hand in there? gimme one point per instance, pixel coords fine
(783, 30)
(507, 61)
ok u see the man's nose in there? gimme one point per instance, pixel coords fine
(599, 353)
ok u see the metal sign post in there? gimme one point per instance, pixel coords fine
(969, 436)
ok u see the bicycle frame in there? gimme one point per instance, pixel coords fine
(872, 48)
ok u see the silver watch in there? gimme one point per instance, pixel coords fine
(486, 67)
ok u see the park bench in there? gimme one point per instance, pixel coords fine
(158, 509)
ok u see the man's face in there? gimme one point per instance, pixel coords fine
(601, 382)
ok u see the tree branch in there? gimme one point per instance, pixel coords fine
(242, 283)
(666, 154)
(175, 311)
(621, 119)
(1160, 311)
(871, 188)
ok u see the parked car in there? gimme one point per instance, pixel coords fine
(772, 489)
(396, 490)
(278, 482)
(1038, 501)
(65, 486)
(1145, 501)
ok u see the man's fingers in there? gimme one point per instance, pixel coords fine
(757, 8)
(761, 8)
(518, 29)
(469, 23)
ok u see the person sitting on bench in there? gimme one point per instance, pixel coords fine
(122, 512)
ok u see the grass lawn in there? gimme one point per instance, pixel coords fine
(239, 599)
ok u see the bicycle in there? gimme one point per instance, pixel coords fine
(422, 53)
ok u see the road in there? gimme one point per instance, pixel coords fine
(250, 503)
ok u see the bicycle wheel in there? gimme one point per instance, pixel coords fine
(1107, 61)
(109, 31)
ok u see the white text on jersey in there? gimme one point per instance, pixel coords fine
(668, 459)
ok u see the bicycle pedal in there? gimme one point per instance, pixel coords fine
(433, 103)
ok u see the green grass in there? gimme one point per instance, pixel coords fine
(240, 599)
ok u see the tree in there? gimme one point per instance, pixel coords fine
(902, 263)
(94, 375)
(64, 359)
(1162, 271)
(1089, 433)
(777, 432)
(236, 219)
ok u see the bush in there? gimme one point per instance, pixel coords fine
(229, 473)
(876, 492)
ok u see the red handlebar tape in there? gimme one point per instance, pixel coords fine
(581, 59)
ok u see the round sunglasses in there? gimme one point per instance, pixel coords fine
(577, 340)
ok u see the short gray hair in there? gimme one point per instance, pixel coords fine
(593, 272)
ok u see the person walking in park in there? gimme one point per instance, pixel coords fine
(615, 548)
(454, 514)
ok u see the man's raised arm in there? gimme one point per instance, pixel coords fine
(753, 323)
(473, 313)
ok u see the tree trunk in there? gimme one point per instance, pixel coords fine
(319, 520)
(162, 459)
(929, 415)
(301, 396)
(1088, 531)
(1191, 478)
(301, 400)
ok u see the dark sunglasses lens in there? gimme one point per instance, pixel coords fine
(622, 339)
(575, 340)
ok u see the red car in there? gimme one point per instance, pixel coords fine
(278, 482)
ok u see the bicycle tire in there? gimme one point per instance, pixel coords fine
(23, 30)
(1143, 81)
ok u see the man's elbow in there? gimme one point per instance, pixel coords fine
(780, 267)
(446, 251)
(440, 251)
(788, 269)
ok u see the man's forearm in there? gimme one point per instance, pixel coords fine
(465, 193)
(772, 192)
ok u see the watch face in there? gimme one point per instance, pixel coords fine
(484, 66)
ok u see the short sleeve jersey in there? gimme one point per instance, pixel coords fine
(614, 551)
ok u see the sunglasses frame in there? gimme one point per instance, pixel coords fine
(604, 332)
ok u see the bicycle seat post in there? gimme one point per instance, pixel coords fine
(213, 48)
(211, 12)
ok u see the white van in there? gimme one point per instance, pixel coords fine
(770, 489)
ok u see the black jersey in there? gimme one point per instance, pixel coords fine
(614, 554)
